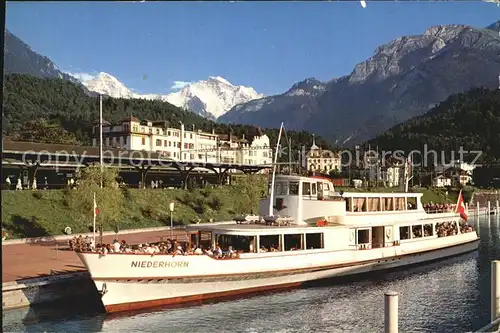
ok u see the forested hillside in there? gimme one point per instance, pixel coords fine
(59, 111)
(470, 120)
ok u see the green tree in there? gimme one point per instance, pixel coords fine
(109, 198)
(45, 132)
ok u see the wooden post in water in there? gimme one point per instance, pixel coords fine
(498, 207)
(495, 290)
(477, 208)
(391, 312)
(489, 208)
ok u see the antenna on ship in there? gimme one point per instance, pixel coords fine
(271, 197)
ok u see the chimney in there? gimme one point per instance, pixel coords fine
(213, 130)
(193, 127)
(243, 136)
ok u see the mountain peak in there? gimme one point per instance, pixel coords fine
(219, 79)
(107, 84)
(215, 98)
(307, 87)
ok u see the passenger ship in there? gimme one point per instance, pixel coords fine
(316, 233)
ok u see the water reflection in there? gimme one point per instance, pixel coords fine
(447, 296)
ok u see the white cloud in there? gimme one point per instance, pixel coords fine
(82, 76)
(179, 84)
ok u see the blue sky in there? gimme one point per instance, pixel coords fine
(265, 45)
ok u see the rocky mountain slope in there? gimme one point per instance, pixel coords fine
(403, 79)
(21, 59)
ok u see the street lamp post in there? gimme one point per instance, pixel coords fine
(171, 207)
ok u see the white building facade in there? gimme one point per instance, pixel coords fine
(322, 160)
(184, 145)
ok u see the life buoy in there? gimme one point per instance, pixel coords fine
(67, 230)
(388, 233)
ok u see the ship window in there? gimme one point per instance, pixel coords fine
(404, 233)
(284, 188)
(359, 204)
(416, 231)
(294, 242)
(269, 243)
(306, 188)
(205, 239)
(348, 205)
(313, 188)
(428, 230)
(364, 236)
(277, 188)
(294, 188)
(388, 204)
(373, 204)
(400, 203)
(238, 243)
(314, 241)
(412, 203)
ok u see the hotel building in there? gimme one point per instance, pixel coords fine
(185, 145)
(322, 160)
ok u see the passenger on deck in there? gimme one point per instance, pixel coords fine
(218, 251)
(116, 246)
(198, 250)
(179, 250)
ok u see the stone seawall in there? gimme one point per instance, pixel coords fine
(29, 292)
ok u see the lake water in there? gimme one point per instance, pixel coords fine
(448, 296)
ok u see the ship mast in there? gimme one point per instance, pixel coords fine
(271, 196)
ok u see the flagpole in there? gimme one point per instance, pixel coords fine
(93, 229)
(100, 137)
(271, 196)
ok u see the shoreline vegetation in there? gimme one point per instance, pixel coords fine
(40, 213)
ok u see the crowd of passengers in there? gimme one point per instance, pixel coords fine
(168, 247)
(450, 228)
(438, 207)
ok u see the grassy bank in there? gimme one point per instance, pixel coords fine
(42, 213)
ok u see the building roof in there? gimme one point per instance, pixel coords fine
(314, 147)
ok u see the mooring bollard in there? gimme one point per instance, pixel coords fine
(495, 290)
(391, 312)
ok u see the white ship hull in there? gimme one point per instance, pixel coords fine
(197, 278)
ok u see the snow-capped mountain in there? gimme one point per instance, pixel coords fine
(107, 84)
(214, 96)
(210, 98)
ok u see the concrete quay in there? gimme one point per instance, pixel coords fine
(45, 270)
